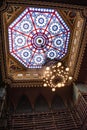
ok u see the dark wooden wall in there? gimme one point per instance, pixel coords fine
(15, 94)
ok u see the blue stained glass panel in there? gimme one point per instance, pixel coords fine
(37, 34)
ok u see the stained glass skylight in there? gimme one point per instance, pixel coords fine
(38, 34)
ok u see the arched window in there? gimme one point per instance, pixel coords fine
(41, 104)
(57, 102)
(24, 105)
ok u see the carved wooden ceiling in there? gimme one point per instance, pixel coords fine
(19, 74)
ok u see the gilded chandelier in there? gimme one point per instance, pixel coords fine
(57, 76)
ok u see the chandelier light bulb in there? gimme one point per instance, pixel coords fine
(45, 85)
(59, 64)
(70, 78)
(62, 67)
(48, 75)
(47, 68)
(63, 84)
(67, 69)
(54, 66)
(59, 85)
(52, 77)
(51, 72)
(44, 80)
(54, 70)
(53, 89)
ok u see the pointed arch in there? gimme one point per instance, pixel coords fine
(57, 102)
(24, 105)
(41, 104)
(10, 106)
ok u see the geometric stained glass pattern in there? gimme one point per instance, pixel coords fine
(38, 34)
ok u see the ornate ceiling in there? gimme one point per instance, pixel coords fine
(36, 34)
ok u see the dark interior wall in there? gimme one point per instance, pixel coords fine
(15, 94)
(82, 77)
(74, 2)
(1, 2)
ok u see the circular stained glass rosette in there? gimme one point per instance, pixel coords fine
(41, 20)
(26, 26)
(54, 28)
(39, 59)
(58, 42)
(20, 41)
(26, 54)
(52, 54)
(36, 34)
